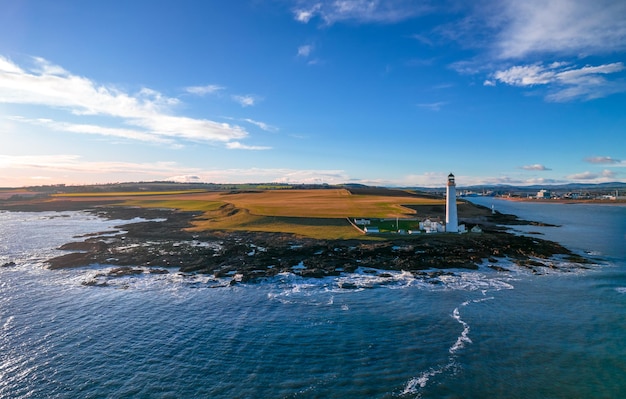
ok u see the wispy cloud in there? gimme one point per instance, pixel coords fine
(602, 160)
(235, 145)
(565, 82)
(204, 90)
(305, 50)
(359, 11)
(436, 106)
(562, 27)
(75, 163)
(262, 125)
(537, 166)
(510, 36)
(247, 100)
(584, 176)
(605, 175)
(150, 111)
(305, 14)
(128, 134)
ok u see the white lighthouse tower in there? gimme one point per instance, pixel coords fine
(452, 222)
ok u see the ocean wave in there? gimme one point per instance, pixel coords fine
(416, 384)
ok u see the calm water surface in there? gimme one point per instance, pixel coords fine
(479, 334)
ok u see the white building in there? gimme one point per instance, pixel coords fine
(544, 194)
(430, 226)
(452, 222)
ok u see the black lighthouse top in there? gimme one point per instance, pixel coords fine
(450, 179)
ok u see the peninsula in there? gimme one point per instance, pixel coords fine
(254, 232)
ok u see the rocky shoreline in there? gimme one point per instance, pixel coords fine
(160, 246)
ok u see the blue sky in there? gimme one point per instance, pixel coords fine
(394, 92)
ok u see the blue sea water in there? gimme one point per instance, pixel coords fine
(478, 334)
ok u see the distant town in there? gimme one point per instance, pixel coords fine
(551, 194)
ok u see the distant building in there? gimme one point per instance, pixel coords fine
(364, 222)
(544, 194)
(452, 222)
(371, 230)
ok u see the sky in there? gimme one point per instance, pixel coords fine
(388, 93)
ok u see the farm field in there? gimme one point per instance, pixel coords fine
(315, 213)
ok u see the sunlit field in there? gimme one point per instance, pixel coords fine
(320, 213)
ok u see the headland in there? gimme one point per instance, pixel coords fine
(257, 233)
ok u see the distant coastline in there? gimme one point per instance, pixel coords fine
(620, 202)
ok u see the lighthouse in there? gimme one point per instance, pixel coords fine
(452, 222)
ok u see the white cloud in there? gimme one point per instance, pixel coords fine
(305, 50)
(245, 100)
(608, 173)
(262, 125)
(305, 15)
(584, 176)
(235, 145)
(525, 75)
(565, 82)
(566, 27)
(605, 176)
(602, 160)
(204, 90)
(51, 86)
(535, 167)
(75, 163)
(360, 11)
(94, 129)
(436, 106)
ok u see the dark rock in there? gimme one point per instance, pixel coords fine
(499, 268)
(124, 271)
(159, 271)
(9, 264)
(95, 283)
(165, 244)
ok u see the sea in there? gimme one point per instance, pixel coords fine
(475, 334)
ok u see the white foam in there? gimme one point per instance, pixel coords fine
(621, 290)
(464, 337)
(414, 385)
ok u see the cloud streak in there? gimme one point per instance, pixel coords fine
(603, 160)
(204, 90)
(565, 82)
(359, 11)
(150, 111)
(262, 125)
(436, 106)
(536, 166)
(247, 100)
